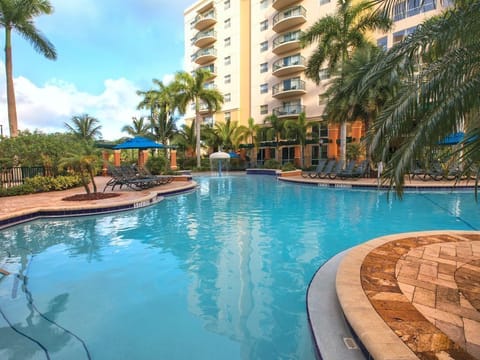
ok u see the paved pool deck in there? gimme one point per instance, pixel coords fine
(406, 296)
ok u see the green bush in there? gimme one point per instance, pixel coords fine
(288, 167)
(42, 184)
(271, 164)
(157, 164)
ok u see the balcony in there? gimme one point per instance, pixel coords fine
(204, 56)
(289, 65)
(204, 21)
(212, 70)
(282, 4)
(286, 19)
(287, 111)
(287, 42)
(288, 88)
(204, 38)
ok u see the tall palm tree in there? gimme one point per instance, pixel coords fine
(439, 94)
(338, 35)
(298, 129)
(84, 127)
(275, 131)
(17, 15)
(191, 88)
(161, 104)
(228, 133)
(249, 135)
(138, 127)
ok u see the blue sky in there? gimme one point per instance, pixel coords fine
(107, 49)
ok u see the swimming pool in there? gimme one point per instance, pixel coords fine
(219, 273)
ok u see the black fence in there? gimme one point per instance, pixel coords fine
(15, 176)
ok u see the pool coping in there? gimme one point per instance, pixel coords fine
(369, 326)
(148, 198)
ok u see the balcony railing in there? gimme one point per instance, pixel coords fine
(203, 21)
(289, 18)
(288, 110)
(287, 42)
(204, 38)
(289, 65)
(288, 87)
(204, 55)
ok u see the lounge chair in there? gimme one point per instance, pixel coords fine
(347, 172)
(454, 172)
(125, 176)
(336, 170)
(435, 172)
(417, 170)
(318, 170)
(357, 172)
(327, 170)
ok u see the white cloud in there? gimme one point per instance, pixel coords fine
(48, 107)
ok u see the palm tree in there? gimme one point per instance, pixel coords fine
(138, 127)
(249, 135)
(85, 127)
(191, 88)
(439, 93)
(338, 35)
(161, 104)
(275, 131)
(18, 15)
(298, 129)
(185, 137)
(228, 133)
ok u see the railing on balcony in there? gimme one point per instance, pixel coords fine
(204, 37)
(210, 68)
(202, 21)
(288, 85)
(288, 64)
(208, 52)
(293, 16)
(288, 110)
(282, 41)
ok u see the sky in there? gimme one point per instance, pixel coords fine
(107, 50)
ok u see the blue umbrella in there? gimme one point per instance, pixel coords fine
(452, 139)
(233, 155)
(139, 142)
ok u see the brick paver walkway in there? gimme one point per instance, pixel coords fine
(427, 290)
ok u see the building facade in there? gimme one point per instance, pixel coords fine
(253, 50)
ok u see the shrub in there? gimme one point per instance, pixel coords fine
(271, 164)
(42, 184)
(288, 167)
(157, 164)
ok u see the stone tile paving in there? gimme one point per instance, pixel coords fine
(427, 290)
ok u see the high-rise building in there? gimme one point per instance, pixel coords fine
(253, 50)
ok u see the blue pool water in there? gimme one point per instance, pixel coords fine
(219, 273)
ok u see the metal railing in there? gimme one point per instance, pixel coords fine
(15, 176)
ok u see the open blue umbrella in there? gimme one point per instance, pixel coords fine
(452, 139)
(139, 142)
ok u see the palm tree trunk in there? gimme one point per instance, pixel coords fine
(12, 109)
(197, 133)
(343, 141)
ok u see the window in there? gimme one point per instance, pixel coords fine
(227, 79)
(208, 120)
(324, 74)
(227, 23)
(263, 4)
(382, 43)
(226, 4)
(288, 154)
(227, 97)
(323, 2)
(263, 67)
(264, 25)
(399, 11)
(264, 46)
(402, 34)
(227, 41)
(228, 116)
(263, 88)
(263, 109)
(227, 60)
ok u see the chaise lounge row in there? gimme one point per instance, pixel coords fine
(333, 169)
(134, 178)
